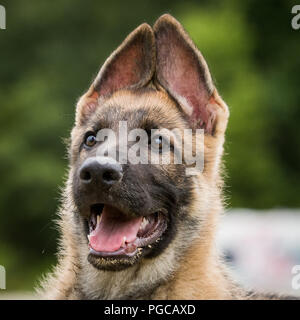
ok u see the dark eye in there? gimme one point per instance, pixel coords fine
(90, 140)
(158, 143)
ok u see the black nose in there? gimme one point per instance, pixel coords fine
(93, 172)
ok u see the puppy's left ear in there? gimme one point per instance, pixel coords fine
(182, 71)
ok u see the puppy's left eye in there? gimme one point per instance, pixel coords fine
(162, 144)
(90, 140)
(158, 142)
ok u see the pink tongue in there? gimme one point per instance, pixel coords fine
(110, 232)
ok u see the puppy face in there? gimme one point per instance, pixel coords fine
(127, 213)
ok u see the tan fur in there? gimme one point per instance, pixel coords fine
(198, 273)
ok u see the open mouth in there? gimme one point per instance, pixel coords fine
(114, 234)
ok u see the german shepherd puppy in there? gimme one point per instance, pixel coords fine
(145, 231)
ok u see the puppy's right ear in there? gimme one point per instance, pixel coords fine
(131, 66)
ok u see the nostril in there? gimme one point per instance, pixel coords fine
(85, 176)
(107, 176)
(110, 176)
(95, 174)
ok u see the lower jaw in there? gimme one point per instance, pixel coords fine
(121, 253)
(115, 263)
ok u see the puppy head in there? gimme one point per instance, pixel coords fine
(129, 212)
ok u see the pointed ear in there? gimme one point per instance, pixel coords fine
(131, 66)
(183, 72)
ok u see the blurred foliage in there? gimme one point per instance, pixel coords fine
(49, 54)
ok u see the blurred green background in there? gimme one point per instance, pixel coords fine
(49, 54)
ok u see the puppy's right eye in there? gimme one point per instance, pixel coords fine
(90, 140)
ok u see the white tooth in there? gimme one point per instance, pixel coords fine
(124, 240)
(98, 219)
(88, 236)
(144, 223)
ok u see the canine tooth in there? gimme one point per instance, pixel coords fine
(98, 219)
(144, 223)
(88, 236)
(124, 242)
